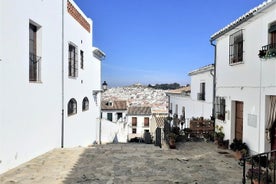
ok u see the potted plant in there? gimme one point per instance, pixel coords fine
(218, 135)
(258, 175)
(172, 137)
(241, 149)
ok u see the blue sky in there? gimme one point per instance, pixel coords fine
(158, 41)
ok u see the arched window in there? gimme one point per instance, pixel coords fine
(72, 107)
(85, 104)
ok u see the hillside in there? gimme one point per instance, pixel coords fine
(138, 95)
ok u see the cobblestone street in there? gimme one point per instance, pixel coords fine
(192, 162)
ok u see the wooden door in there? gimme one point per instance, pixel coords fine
(239, 121)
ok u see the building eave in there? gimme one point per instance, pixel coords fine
(250, 14)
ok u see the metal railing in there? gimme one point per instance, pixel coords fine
(268, 51)
(260, 168)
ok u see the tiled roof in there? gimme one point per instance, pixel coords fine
(243, 18)
(180, 90)
(139, 111)
(114, 105)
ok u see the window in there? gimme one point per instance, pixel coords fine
(85, 104)
(72, 107)
(146, 121)
(72, 61)
(272, 33)
(134, 121)
(220, 108)
(109, 116)
(236, 47)
(201, 95)
(134, 130)
(119, 115)
(81, 59)
(34, 59)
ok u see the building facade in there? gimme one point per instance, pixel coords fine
(195, 100)
(246, 79)
(138, 120)
(50, 78)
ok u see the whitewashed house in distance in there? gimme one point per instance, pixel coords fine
(114, 111)
(195, 100)
(49, 78)
(245, 63)
(138, 119)
(113, 121)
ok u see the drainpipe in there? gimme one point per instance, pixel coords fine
(62, 76)
(214, 79)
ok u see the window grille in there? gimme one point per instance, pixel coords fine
(236, 47)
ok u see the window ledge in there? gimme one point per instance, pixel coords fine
(36, 82)
(237, 63)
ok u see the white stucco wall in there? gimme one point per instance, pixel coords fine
(83, 124)
(250, 82)
(194, 107)
(140, 129)
(30, 121)
(31, 112)
(113, 132)
(114, 115)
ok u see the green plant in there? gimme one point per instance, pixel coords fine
(238, 145)
(219, 134)
(258, 174)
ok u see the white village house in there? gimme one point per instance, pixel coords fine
(50, 79)
(246, 77)
(195, 100)
(138, 120)
(113, 121)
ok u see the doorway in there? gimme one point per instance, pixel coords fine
(239, 120)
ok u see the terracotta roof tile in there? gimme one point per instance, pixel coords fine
(139, 111)
(114, 105)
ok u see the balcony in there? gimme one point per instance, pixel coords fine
(268, 51)
(201, 96)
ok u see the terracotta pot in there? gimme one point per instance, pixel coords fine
(172, 143)
(255, 181)
(238, 155)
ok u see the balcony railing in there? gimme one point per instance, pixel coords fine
(260, 168)
(34, 67)
(200, 96)
(268, 51)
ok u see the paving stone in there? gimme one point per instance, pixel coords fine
(192, 162)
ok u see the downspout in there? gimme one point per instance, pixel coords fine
(214, 79)
(62, 77)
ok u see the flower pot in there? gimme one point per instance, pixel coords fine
(255, 181)
(238, 155)
(172, 143)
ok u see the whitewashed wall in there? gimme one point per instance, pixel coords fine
(140, 129)
(113, 132)
(30, 121)
(82, 125)
(114, 115)
(250, 82)
(194, 107)
(30, 117)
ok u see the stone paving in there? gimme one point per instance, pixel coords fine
(191, 163)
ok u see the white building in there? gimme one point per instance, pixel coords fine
(195, 100)
(49, 73)
(138, 119)
(245, 80)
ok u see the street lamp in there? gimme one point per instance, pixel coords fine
(104, 86)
